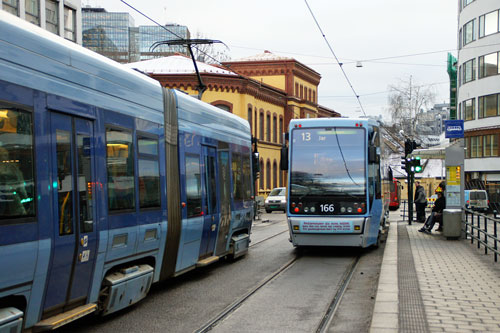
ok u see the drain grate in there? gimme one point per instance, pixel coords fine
(411, 307)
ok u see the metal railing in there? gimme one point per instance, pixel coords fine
(478, 227)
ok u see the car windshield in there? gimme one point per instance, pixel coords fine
(277, 192)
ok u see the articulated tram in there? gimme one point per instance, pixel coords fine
(108, 182)
(338, 185)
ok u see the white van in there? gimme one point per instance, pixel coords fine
(476, 200)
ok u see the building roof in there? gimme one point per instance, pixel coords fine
(176, 64)
(266, 56)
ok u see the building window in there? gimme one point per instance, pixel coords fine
(275, 174)
(467, 2)
(296, 90)
(275, 134)
(255, 119)
(11, 6)
(301, 92)
(490, 145)
(268, 174)
(470, 109)
(261, 125)
(488, 106)
(69, 23)
(469, 32)
(281, 130)
(33, 11)
(261, 176)
(488, 24)
(314, 96)
(52, 16)
(460, 115)
(249, 116)
(223, 107)
(268, 128)
(467, 147)
(469, 69)
(488, 65)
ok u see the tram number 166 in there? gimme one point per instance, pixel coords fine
(327, 208)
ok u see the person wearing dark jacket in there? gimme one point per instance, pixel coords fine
(420, 202)
(436, 214)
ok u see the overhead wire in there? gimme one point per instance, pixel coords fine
(335, 56)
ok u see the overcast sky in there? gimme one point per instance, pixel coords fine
(411, 38)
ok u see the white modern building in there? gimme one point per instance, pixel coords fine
(478, 98)
(62, 17)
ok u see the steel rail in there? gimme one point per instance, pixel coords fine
(332, 308)
(232, 307)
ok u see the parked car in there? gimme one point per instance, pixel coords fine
(476, 200)
(276, 200)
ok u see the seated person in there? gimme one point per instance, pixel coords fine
(436, 214)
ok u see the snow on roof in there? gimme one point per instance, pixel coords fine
(176, 64)
(266, 56)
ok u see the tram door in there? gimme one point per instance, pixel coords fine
(210, 206)
(73, 213)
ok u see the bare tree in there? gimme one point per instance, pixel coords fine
(406, 99)
(209, 53)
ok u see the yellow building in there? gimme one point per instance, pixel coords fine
(265, 89)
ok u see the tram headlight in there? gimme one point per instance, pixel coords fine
(349, 209)
(313, 209)
(342, 209)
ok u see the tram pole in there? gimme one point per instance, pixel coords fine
(410, 178)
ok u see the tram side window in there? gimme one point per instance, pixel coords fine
(247, 178)
(237, 177)
(193, 185)
(149, 173)
(120, 165)
(17, 188)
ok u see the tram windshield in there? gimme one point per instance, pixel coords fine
(328, 162)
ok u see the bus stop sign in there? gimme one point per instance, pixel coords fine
(454, 128)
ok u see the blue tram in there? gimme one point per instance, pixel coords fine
(338, 193)
(108, 181)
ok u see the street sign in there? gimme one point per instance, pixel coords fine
(454, 128)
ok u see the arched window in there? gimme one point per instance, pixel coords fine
(275, 124)
(224, 105)
(256, 127)
(261, 177)
(268, 127)
(281, 130)
(249, 118)
(282, 175)
(268, 174)
(261, 125)
(296, 90)
(275, 174)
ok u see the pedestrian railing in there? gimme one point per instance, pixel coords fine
(484, 230)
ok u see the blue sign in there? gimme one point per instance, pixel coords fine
(454, 128)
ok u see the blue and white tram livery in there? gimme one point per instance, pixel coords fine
(336, 192)
(108, 182)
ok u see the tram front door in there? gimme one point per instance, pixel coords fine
(73, 213)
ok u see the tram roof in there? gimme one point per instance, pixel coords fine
(55, 65)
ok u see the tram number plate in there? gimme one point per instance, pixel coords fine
(323, 226)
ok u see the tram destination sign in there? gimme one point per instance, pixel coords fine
(454, 128)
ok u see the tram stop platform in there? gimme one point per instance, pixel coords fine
(430, 284)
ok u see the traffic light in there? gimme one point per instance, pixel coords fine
(408, 147)
(417, 168)
(404, 164)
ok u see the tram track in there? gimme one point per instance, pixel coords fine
(332, 308)
(268, 238)
(326, 318)
(233, 306)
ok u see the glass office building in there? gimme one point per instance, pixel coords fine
(150, 34)
(115, 36)
(109, 34)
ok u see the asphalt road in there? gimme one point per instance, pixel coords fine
(294, 301)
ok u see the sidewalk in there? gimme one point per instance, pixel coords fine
(430, 284)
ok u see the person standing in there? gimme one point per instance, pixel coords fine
(420, 202)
